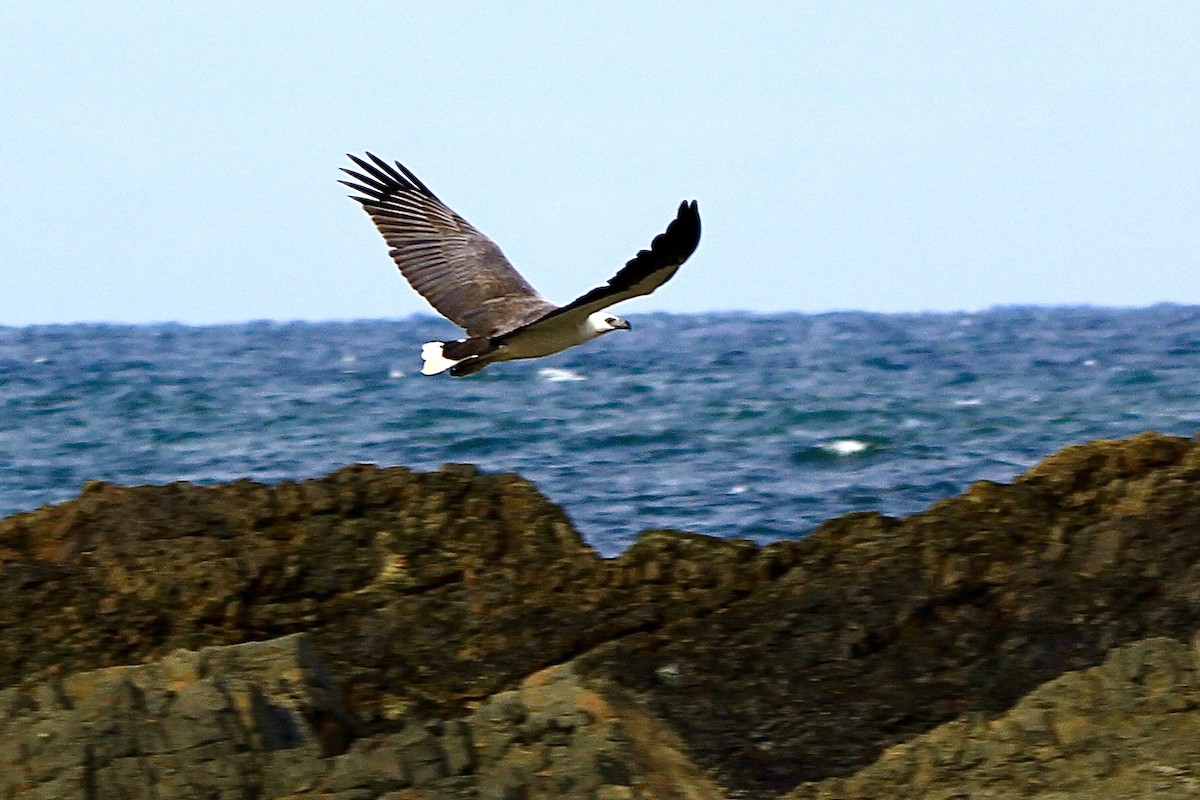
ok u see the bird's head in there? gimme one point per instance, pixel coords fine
(603, 322)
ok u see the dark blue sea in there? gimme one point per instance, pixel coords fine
(734, 425)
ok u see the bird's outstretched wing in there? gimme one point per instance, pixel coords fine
(646, 271)
(461, 272)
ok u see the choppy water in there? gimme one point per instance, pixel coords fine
(729, 424)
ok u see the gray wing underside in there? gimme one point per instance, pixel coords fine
(461, 272)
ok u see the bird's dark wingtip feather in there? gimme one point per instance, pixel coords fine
(383, 165)
(362, 164)
(387, 178)
(689, 210)
(682, 236)
(674, 245)
(362, 190)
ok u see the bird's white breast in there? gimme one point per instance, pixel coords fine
(552, 336)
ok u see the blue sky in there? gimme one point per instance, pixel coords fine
(177, 161)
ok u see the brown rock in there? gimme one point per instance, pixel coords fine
(1124, 729)
(885, 629)
(424, 590)
(193, 724)
(428, 594)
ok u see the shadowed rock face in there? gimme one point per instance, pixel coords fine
(1124, 729)
(256, 721)
(428, 593)
(885, 629)
(223, 722)
(421, 590)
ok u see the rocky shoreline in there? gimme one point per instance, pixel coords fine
(384, 633)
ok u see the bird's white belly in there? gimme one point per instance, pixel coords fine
(544, 340)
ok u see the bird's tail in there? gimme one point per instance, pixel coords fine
(466, 354)
(435, 360)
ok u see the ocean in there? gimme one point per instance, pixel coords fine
(731, 424)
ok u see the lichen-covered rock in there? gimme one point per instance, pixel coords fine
(425, 591)
(555, 737)
(1125, 729)
(257, 721)
(429, 596)
(885, 628)
(194, 724)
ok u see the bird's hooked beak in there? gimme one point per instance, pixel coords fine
(622, 324)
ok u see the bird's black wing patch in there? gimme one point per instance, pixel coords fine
(646, 271)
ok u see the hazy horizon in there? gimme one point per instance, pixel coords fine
(432, 316)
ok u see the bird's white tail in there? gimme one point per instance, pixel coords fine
(435, 362)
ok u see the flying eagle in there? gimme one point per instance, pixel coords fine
(463, 275)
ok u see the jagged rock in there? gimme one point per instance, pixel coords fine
(202, 724)
(885, 628)
(425, 591)
(250, 722)
(1124, 729)
(430, 595)
(555, 737)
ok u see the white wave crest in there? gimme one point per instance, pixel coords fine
(843, 447)
(557, 375)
